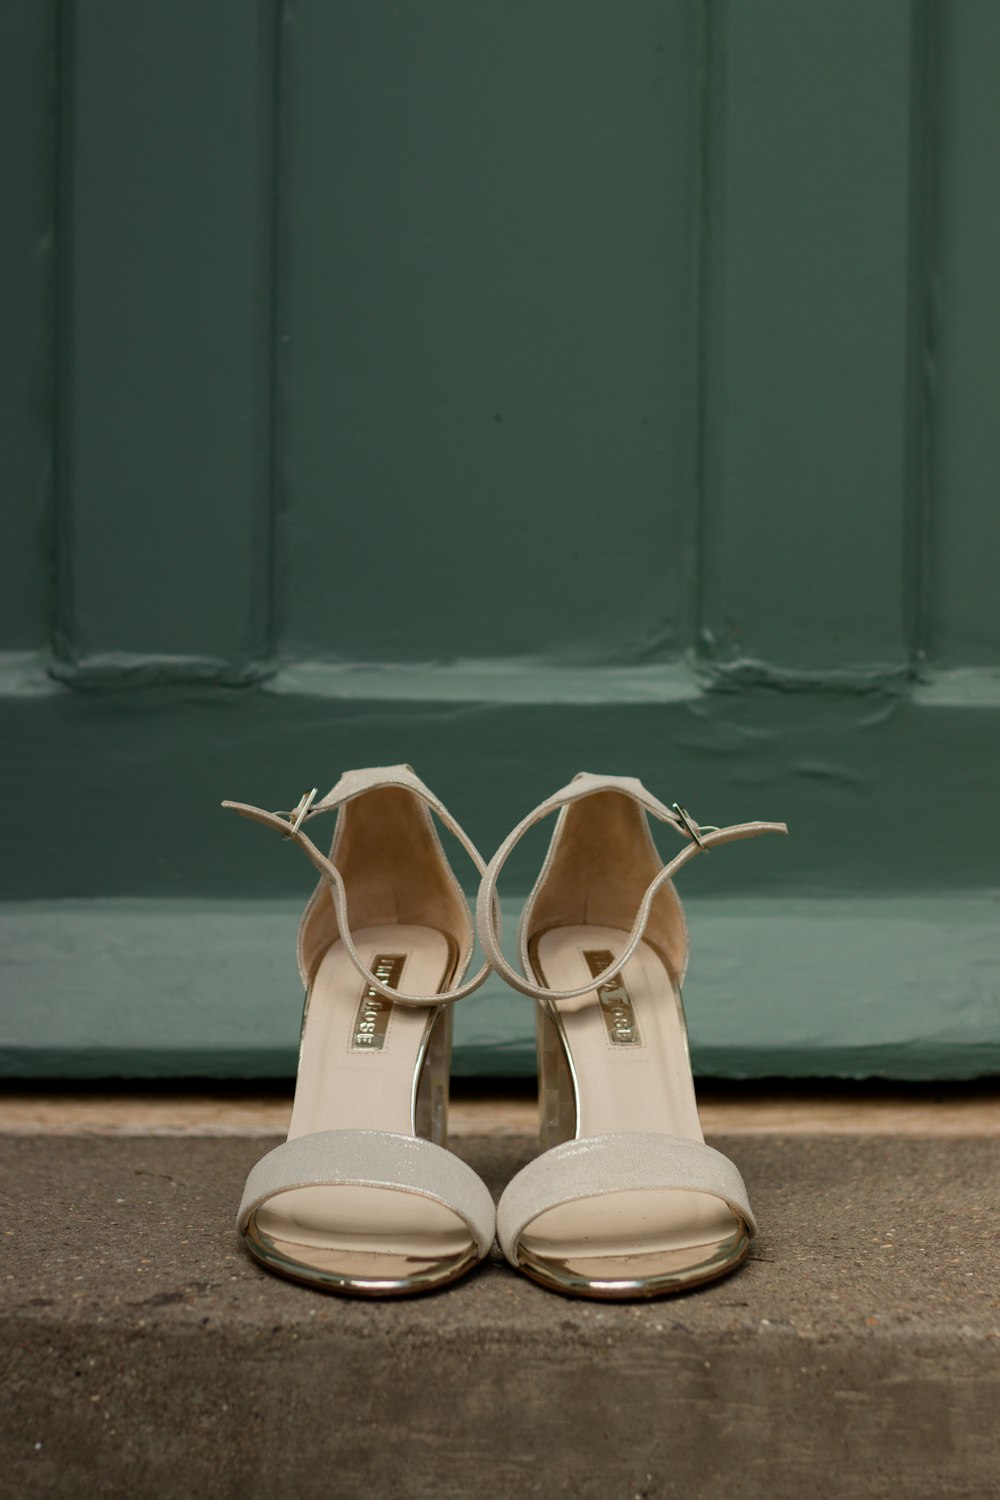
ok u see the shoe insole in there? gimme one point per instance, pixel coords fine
(358, 1070)
(627, 1047)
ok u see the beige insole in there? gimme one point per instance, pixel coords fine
(630, 1058)
(348, 1083)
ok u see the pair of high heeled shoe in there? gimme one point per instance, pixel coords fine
(625, 1199)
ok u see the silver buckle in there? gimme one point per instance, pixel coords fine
(299, 812)
(693, 828)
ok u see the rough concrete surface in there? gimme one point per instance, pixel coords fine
(856, 1354)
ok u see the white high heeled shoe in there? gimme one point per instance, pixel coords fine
(626, 1199)
(363, 1197)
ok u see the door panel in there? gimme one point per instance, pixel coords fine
(489, 376)
(508, 389)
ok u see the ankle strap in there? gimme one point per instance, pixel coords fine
(354, 784)
(699, 839)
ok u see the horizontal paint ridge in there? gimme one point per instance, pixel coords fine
(490, 681)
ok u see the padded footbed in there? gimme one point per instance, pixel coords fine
(645, 1086)
(344, 1086)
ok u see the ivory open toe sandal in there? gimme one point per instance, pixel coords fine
(626, 1199)
(363, 1197)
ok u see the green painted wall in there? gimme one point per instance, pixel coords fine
(508, 389)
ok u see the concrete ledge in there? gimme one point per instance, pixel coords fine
(857, 1354)
(510, 1108)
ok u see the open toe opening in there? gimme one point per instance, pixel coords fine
(367, 1240)
(639, 1243)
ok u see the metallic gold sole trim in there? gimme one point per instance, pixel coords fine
(571, 1284)
(326, 1279)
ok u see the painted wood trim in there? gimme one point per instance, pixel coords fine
(890, 987)
(118, 793)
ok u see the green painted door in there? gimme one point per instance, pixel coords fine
(508, 389)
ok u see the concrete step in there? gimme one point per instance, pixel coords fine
(856, 1354)
(508, 1107)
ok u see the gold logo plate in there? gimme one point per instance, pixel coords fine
(616, 1002)
(374, 1010)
